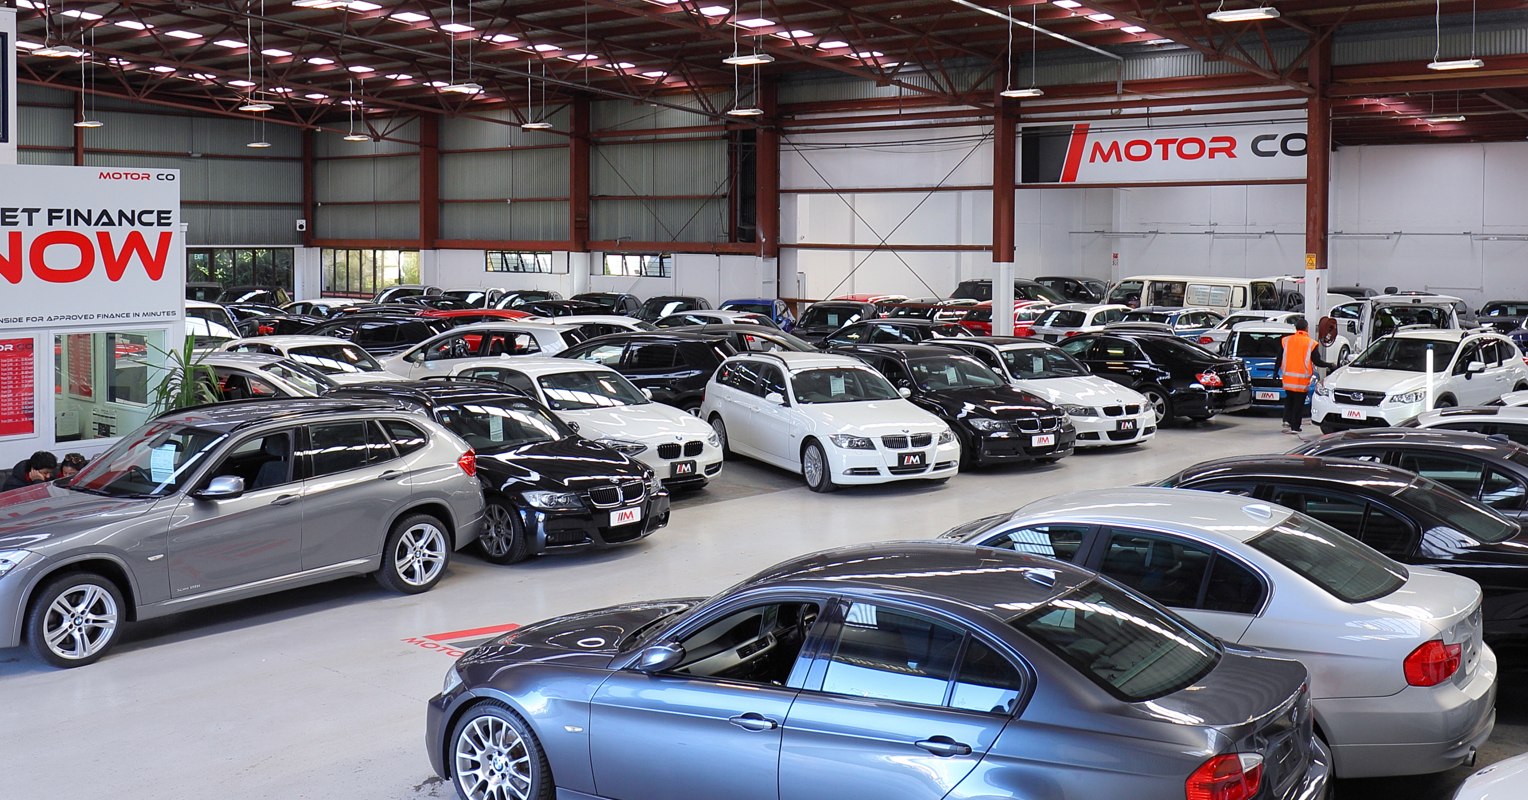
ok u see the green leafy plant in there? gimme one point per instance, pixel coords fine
(186, 381)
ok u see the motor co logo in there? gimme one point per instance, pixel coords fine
(456, 643)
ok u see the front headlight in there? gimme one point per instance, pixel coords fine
(623, 446)
(851, 442)
(1322, 390)
(714, 440)
(948, 436)
(980, 424)
(1079, 411)
(553, 500)
(1409, 397)
(453, 680)
(10, 558)
(653, 484)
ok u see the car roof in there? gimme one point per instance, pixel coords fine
(250, 360)
(1504, 413)
(749, 300)
(1437, 334)
(905, 350)
(977, 577)
(227, 417)
(1232, 516)
(794, 360)
(670, 297)
(534, 365)
(1312, 467)
(430, 392)
(1264, 327)
(690, 333)
(1427, 437)
(913, 321)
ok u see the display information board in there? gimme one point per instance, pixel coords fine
(18, 371)
(81, 366)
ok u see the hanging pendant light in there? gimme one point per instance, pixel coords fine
(749, 60)
(258, 144)
(256, 106)
(530, 100)
(1243, 14)
(1032, 91)
(353, 136)
(1438, 64)
(87, 121)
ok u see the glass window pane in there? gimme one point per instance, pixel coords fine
(1051, 541)
(1386, 532)
(1233, 588)
(1341, 565)
(1502, 492)
(1168, 570)
(1344, 514)
(1461, 475)
(986, 682)
(404, 436)
(337, 447)
(890, 655)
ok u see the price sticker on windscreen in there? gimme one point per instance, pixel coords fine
(835, 385)
(495, 427)
(162, 463)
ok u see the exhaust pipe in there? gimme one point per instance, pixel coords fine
(1469, 760)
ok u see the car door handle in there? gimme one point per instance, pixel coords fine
(944, 746)
(755, 722)
(391, 475)
(286, 499)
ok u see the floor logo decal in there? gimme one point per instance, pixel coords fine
(455, 643)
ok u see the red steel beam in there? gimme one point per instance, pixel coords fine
(1318, 157)
(578, 175)
(429, 180)
(766, 161)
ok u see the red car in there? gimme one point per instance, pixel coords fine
(979, 319)
(475, 315)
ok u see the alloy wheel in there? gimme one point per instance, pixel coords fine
(492, 761)
(421, 554)
(80, 622)
(721, 431)
(499, 532)
(1158, 403)
(812, 466)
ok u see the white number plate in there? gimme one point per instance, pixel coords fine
(1042, 440)
(1267, 395)
(1352, 413)
(626, 516)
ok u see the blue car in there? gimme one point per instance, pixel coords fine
(777, 310)
(1190, 323)
(1259, 347)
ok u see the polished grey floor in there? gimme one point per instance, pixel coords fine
(319, 693)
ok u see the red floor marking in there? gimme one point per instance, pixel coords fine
(468, 634)
(455, 643)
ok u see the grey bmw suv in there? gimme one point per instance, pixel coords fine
(223, 502)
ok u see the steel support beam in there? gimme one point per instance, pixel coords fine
(1004, 158)
(308, 207)
(766, 161)
(578, 174)
(1318, 160)
(429, 180)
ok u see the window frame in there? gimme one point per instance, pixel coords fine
(806, 660)
(1368, 503)
(539, 262)
(638, 265)
(1101, 534)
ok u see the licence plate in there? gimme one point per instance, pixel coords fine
(626, 516)
(1042, 440)
(911, 460)
(1352, 413)
(1125, 425)
(682, 468)
(1267, 395)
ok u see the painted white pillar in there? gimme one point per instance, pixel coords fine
(1002, 298)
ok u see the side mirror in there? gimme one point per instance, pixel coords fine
(775, 397)
(648, 393)
(905, 392)
(223, 487)
(1352, 326)
(659, 658)
(1474, 367)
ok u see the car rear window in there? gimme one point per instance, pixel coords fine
(1061, 318)
(1132, 649)
(1342, 566)
(1259, 345)
(1464, 516)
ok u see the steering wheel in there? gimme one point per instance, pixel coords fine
(804, 622)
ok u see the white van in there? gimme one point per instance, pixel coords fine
(1179, 291)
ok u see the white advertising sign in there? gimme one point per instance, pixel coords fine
(89, 246)
(1098, 153)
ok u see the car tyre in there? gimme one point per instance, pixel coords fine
(503, 540)
(1445, 402)
(495, 755)
(816, 469)
(692, 408)
(1159, 402)
(1520, 387)
(415, 556)
(720, 428)
(74, 619)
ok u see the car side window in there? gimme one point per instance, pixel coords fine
(1166, 569)
(1460, 474)
(451, 347)
(1079, 348)
(1111, 348)
(852, 334)
(262, 461)
(511, 344)
(738, 375)
(1470, 352)
(1344, 514)
(379, 446)
(1386, 532)
(986, 682)
(889, 334)
(335, 447)
(771, 380)
(894, 371)
(1113, 315)
(759, 644)
(1502, 492)
(888, 654)
(405, 437)
(651, 356)
(986, 357)
(1058, 541)
(1232, 588)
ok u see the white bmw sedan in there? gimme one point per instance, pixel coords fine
(345, 363)
(600, 404)
(831, 418)
(1401, 680)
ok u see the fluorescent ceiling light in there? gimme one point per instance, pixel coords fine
(545, 48)
(1436, 120)
(357, 137)
(1133, 29)
(746, 112)
(537, 126)
(26, 45)
(1067, 4)
(1244, 14)
(502, 38)
(132, 24)
(321, 61)
(258, 144)
(28, 4)
(1030, 92)
(241, 84)
(318, 4)
(868, 54)
(749, 60)
(117, 62)
(795, 34)
(316, 96)
(361, 69)
(89, 123)
(183, 34)
(275, 52)
(81, 14)
(457, 27)
(580, 57)
(280, 90)
(204, 76)
(361, 6)
(162, 69)
(757, 22)
(437, 84)
(410, 17)
(257, 107)
(463, 88)
(623, 65)
(228, 43)
(353, 102)
(1100, 17)
(832, 45)
(1460, 63)
(59, 51)
(1158, 41)
(715, 11)
(399, 76)
(654, 73)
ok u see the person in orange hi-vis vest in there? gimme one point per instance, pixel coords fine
(1297, 367)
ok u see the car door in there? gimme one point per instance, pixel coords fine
(220, 543)
(711, 727)
(1501, 362)
(891, 709)
(778, 425)
(656, 366)
(435, 357)
(858, 333)
(1204, 584)
(1469, 389)
(732, 396)
(355, 484)
(609, 354)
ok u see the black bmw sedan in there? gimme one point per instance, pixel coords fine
(996, 422)
(547, 489)
(1179, 378)
(1410, 518)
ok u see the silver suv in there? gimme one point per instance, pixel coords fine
(219, 503)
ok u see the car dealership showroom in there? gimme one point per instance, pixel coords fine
(764, 400)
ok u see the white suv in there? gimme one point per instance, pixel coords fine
(831, 418)
(1386, 384)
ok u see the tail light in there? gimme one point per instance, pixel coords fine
(468, 463)
(1206, 340)
(1209, 379)
(1432, 663)
(1234, 776)
(1070, 334)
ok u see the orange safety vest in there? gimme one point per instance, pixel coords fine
(1296, 365)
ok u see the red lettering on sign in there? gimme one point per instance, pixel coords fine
(1111, 154)
(116, 263)
(1224, 145)
(78, 272)
(1074, 153)
(1165, 144)
(1145, 149)
(10, 266)
(1196, 143)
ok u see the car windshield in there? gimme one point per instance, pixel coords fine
(494, 425)
(1039, 363)
(658, 308)
(829, 317)
(1061, 318)
(1259, 345)
(1132, 649)
(209, 323)
(1148, 316)
(1342, 566)
(470, 296)
(841, 385)
(1406, 355)
(306, 378)
(1173, 349)
(153, 461)
(972, 290)
(1470, 519)
(1506, 310)
(1236, 319)
(334, 359)
(570, 391)
(910, 312)
(766, 309)
(602, 300)
(953, 372)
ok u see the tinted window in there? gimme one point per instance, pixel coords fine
(1052, 541)
(1457, 512)
(1386, 532)
(405, 437)
(499, 424)
(892, 334)
(378, 445)
(850, 335)
(262, 462)
(512, 344)
(986, 682)
(1461, 475)
(774, 630)
(1174, 350)
(1259, 345)
(1232, 588)
(953, 372)
(1168, 570)
(608, 354)
(652, 356)
(310, 381)
(1128, 647)
(337, 447)
(1110, 348)
(1061, 318)
(464, 346)
(817, 317)
(1344, 513)
(577, 390)
(739, 375)
(1502, 492)
(771, 379)
(890, 655)
(1341, 565)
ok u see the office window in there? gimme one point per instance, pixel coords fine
(363, 273)
(241, 266)
(102, 382)
(643, 265)
(506, 261)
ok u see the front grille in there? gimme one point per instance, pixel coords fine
(1121, 436)
(902, 442)
(1039, 424)
(614, 495)
(909, 470)
(564, 538)
(1113, 411)
(922, 439)
(1357, 397)
(692, 449)
(712, 469)
(863, 471)
(1267, 383)
(668, 451)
